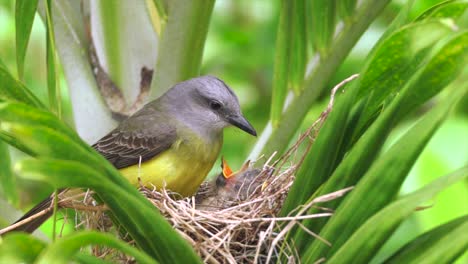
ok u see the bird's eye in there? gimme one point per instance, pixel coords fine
(215, 105)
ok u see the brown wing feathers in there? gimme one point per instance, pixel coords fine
(124, 149)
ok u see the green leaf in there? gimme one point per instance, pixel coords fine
(299, 47)
(20, 248)
(447, 9)
(429, 81)
(136, 214)
(110, 16)
(25, 11)
(382, 182)
(322, 20)
(283, 53)
(317, 81)
(52, 84)
(346, 9)
(182, 41)
(161, 7)
(31, 130)
(443, 244)
(367, 240)
(7, 178)
(400, 20)
(290, 55)
(444, 66)
(18, 113)
(314, 171)
(36, 142)
(64, 249)
(13, 90)
(395, 61)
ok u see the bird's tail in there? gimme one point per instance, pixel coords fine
(32, 219)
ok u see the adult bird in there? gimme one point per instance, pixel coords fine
(171, 142)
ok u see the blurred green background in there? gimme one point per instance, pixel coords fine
(240, 50)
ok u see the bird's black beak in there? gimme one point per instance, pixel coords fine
(242, 123)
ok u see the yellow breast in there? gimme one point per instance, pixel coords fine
(181, 168)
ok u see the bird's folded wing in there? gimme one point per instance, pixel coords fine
(124, 146)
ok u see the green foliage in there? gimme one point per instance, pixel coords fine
(436, 245)
(8, 186)
(316, 81)
(24, 16)
(66, 248)
(360, 247)
(382, 182)
(290, 57)
(52, 85)
(322, 24)
(20, 248)
(181, 43)
(12, 89)
(448, 9)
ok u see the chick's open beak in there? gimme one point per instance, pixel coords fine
(242, 123)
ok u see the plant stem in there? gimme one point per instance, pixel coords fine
(182, 41)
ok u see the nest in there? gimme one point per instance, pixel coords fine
(238, 221)
(245, 228)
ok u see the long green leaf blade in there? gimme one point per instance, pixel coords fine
(346, 9)
(19, 113)
(7, 178)
(445, 65)
(429, 81)
(446, 9)
(14, 90)
(382, 182)
(64, 249)
(25, 11)
(52, 84)
(322, 24)
(161, 7)
(283, 53)
(442, 244)
(365, 242)
(315, 171)
(182, 41)
(397, 59)
(20, 248)
(299, 47)
(136, 214)
(110, 16)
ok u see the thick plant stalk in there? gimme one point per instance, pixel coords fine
(181, 43)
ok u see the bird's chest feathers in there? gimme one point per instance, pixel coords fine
(196, 149)
(181, 168)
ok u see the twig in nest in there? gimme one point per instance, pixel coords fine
(316, 126)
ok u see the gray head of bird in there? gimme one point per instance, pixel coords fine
(204, 103)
